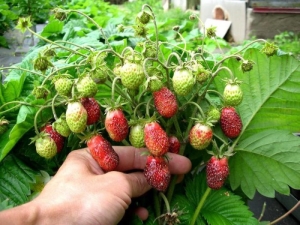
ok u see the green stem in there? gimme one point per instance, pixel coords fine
(57, 70)
(96, 24)
(197, 106)
(155, 27)
(167, 204)
(20, 68)
(113, 88)
(156, 203)
(53, 43)
(200, 205)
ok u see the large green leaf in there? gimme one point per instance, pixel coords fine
(268, 161)
(221, 207)
(15, 180)
(267, 158)
(271, 92)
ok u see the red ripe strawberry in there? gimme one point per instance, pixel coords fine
(157, 173)
(103, 152)
(165, 102)
(217, 171)
(200, 136)
(156, 139)
(55, 136)
(92, 108)
(116, 124)
(174, 144)
(231, 123)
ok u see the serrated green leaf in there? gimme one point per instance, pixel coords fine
(270, 109)
(5, 205)
(267, 162)
(271, 92)
(222, 207)
(15, 180)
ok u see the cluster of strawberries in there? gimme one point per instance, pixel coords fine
(164, 89)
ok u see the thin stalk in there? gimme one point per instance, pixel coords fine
(20, 68)
(70, 43)
(162, 195)
(113, 88)
(286, 214)
(200, 205)
(197, 106)
(54, 43)
(96, 24)
(57, 70)
(155, 27)
(156, 203)
(53, 108)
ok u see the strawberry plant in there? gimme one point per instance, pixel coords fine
(233, 115)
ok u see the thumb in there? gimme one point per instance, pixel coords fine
(137, 184)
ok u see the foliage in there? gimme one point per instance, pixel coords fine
(288, 42)
(7, 18)
(265, 155)
(37, 10)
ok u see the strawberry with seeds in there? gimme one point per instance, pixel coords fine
(200, 135)
(156, 139)
(174, 144)
(217, 170)
(231, 123)
(116, 124)
(157, 172)
(165, 102)
(103, 152)
(76, 117)
(55, 136)
(92, 108)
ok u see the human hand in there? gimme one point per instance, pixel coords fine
(81, 193)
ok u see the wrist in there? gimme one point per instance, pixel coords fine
(26, 214)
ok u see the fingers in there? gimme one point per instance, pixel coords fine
(137, 184)
(130, 158)
(80, 161)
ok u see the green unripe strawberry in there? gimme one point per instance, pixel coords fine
(63, 86)
(132, 75)
(76, 117)
(61, 126)
(232, 94)
(86, 87)
(154, 84)
(117, 70)
(214, 114)
(200, 73)
(40, 92)
(136, 136)
(3, 125)
(99, 75)
(247, 65)
(46, 146)
(183, 81)
(41, 63)
(143, 17)
(140, 30)
(269, 49)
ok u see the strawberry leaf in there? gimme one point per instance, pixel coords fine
(15, 180)
(267, 158)
(267, 162)
(215, 209)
